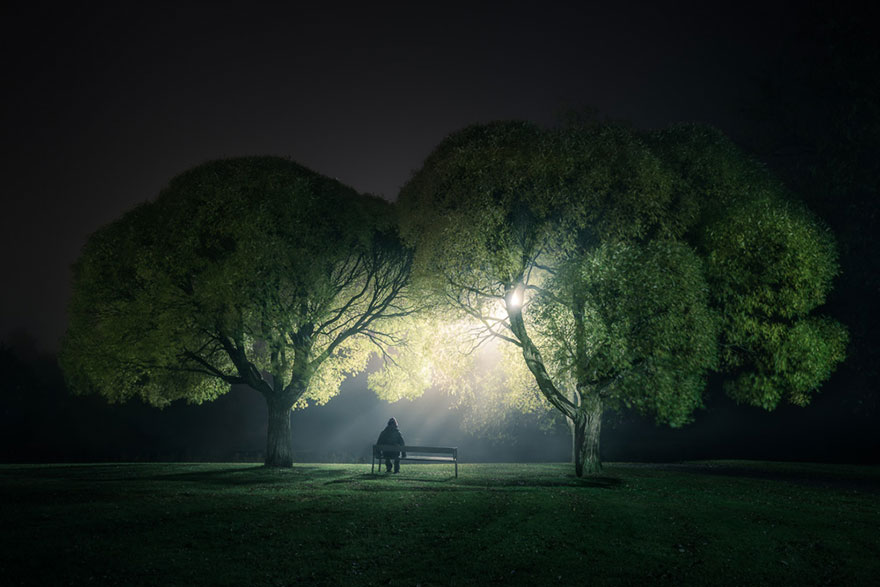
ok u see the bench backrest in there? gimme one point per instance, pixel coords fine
(448, 450)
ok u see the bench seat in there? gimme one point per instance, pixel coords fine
(420, 454)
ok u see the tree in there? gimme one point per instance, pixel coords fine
(816, 121)
(249, 271)
(626, 266)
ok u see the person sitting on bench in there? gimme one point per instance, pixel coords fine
(391, 435)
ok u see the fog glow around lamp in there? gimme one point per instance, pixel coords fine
(514, 298)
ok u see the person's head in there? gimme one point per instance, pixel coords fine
(392, 422)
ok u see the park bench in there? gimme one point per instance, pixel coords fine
(419, 454)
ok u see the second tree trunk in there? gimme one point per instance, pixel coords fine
(587, 427)
(279, 451)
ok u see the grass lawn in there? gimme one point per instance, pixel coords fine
(716, 523)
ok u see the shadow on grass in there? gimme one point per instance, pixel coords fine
(86, 470)
(795, 473)
(210, 474)
(595, 482)
(383, 477)
(257, 475)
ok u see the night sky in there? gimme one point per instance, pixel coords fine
(104, 103)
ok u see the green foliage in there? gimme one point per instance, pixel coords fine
(770, 264)
(252, 270)
(492, 197)
(645, 260)
(474, 190)
(487, 384)
(708, 168)
(646, 326)
(770, 258)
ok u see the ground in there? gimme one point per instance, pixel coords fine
(721, 523)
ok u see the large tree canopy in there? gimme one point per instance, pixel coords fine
(626, 266)
(251, 271)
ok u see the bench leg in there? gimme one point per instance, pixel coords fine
(456, 468)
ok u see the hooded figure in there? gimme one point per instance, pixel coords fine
(391, 435)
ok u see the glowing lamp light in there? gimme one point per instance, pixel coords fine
(514, 299)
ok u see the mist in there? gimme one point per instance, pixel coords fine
(41, 421)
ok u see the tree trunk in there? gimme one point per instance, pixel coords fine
(575, 400)
(587, 428)
(279, 449)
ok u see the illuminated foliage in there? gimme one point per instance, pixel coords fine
(249, 271)
(769, 263)
(486, 383)
(632, 318)
(625, 267)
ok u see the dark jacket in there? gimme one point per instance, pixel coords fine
(391, 435)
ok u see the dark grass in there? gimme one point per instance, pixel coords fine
(719, 523)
